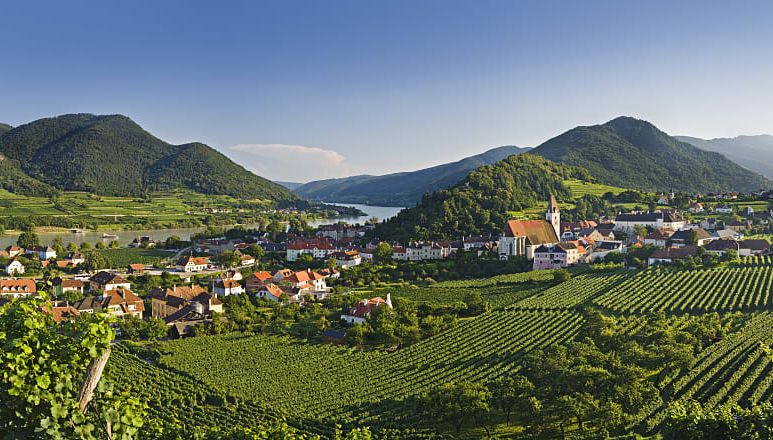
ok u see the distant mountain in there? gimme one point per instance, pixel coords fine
(479, 204)
(751, 152)
(112, 155)
(289, 185)
(632, 153)
(13, 179)
(400, 189)
(4, 127)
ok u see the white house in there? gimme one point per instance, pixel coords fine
(247, 260)
(347, 259)
(192, 264)
(14, 267)
(602, 248)
(269, 291)
(360, 312)
(724, 209)
(227, 287)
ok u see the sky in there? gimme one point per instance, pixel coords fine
(304, 90)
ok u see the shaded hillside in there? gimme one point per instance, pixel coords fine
(480, 203)
(113, 155)
(752, 152)
(632, 153)
(400, 189)
(4, 127)
(13, 179)
(289, 185)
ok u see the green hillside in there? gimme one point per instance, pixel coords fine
(4, 127)
(480, 203)
(632, 153)
(13, 179)
(400, 189)
(112, 155)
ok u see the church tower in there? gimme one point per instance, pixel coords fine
(553, 216)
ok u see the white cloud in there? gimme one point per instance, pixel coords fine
(293, 163)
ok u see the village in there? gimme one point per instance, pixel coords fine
(210, 269)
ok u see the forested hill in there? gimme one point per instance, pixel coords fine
(632, 153)
(4, 127)
(480, 203)
(752, 152)
(112, 155)
(400, 189)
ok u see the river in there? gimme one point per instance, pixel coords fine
(126, 236)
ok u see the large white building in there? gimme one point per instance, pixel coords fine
(654, 220)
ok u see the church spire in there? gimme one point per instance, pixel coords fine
(553, 216)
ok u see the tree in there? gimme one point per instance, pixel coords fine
(58, 246)
(508, 392)
(96, 261)
(228, 259)
(257, 252)
(85, 246)
(460, 403)
(28, 239)
(100, 245)
(154, 329)
(44, 364)
(114, 244)
(72, 247)
(383, 252)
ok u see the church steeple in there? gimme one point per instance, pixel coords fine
(553, 215)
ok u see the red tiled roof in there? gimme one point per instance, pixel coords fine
(535, 231)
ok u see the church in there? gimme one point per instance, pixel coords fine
(523, 237)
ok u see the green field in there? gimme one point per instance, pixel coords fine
(160, 207)
(122, 257)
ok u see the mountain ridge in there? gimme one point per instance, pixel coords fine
(402, 188)
(87, 152)
(633, 153)
(753, 152)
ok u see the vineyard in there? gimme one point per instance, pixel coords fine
(733, 371)
(340, 384)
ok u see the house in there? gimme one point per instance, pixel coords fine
(595, 234)
(658, 238)
(168, 301)
(16, 288)
(747, 211)
(228, 286)
(118, 302)
(269, 291)
(14, 267)
(727, 234)
(399, 253)
(76, 258)
(192, 264)
(723, 209)
(360, 312)
(45, 252)
(709, 224)
(331, 273)
(523, 237)
(107, 281)
(281, 274)
(61, 286)
(603, 248)
(247, 260)
(317, 248)
(14, 251)
(720, 246)
(697, 236)
(256, 280)
(557, 256)
(143, 242)
(753, 247)
(347, 259)
(60, 310)
(136, 269)
(738, 226)
(669, 255)
(478, 243)
(654, 220)
(695, 207)
(309, 277)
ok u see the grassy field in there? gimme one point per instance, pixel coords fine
(124, 256)
(579, 188)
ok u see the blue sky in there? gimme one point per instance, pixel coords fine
(300, 90)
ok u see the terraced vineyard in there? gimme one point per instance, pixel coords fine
(498, 297)
(733, 371)
(723, 289)
(342, 385)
